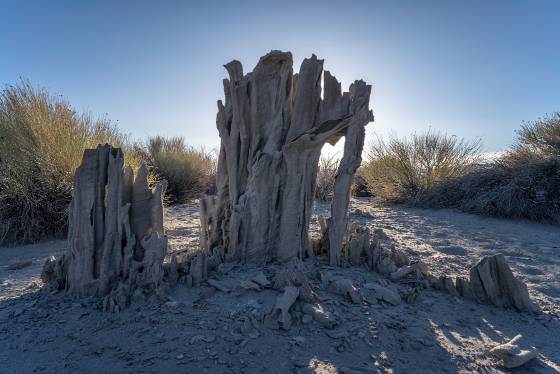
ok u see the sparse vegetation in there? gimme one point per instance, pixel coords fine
(189, 171)
(400, 170)
(326, 174)
(523, 183)
(42, 139)
(540, 137)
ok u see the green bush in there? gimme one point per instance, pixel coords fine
(189, 171)
(400, 170)
(42, 139)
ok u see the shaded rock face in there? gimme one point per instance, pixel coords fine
(492, 281)
(272, 128)
(116, 239)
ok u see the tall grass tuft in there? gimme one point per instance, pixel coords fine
(42, 139)
(189, 171)
(401, 169)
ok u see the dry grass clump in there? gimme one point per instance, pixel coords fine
(42, 139)
(189, 171)
(513, 188)
(400, 170)
(326, 174)
(523, 183)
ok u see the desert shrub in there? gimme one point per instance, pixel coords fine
(539, 137)
(189, 171)
(401, 169)
(522, 183)
(42, 139)
(326, 174)
(513, 188)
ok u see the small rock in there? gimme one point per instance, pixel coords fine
(280, 316)
(402, 272)
(248, 285)
(384, 293)
(218, 285)
(323, 316)
(32, 286)
(261, 279)
(346, 288)
(512, 355)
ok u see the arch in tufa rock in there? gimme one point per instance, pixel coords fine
(273, 126)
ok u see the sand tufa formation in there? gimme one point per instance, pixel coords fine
(116, 240)
(273, 126)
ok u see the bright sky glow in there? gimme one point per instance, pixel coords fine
(475, 68)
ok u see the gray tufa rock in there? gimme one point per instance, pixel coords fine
(383, 293)
(280, 316)
(511, 355)
(273, 125)
(115, 235)
(493, 282)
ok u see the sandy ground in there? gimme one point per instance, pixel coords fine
(207, 331)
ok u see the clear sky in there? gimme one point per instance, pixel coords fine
(470, 68)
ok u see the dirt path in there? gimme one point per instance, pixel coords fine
(203, 331)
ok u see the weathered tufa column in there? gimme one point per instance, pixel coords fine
(272, 127)
(116, 240)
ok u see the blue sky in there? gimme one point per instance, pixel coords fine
(472, 68)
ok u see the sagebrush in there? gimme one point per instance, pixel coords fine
(399, 170)
(522, 183)
(539, 137)
(42, 142)
(326, 175)
(189, 171)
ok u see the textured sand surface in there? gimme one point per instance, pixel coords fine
(204, 330)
